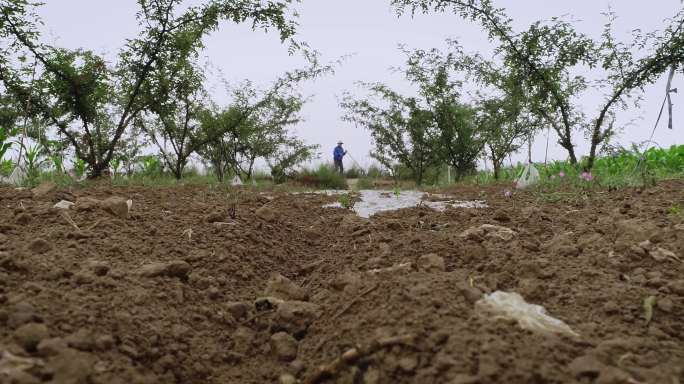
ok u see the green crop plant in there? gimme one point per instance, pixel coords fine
(347, 200)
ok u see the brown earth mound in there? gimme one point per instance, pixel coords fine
(174, 290)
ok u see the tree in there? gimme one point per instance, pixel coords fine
(254, 127)
(460, 143)
(91, 103)
(401, 131)
(176, 100)
(505, 127)
(424, 131)
(289, 155)
(548, 53)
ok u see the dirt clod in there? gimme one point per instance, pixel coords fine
(43, 189)
(115, 205)
(237, 309)
(51, 347)
(283, 288)
(39, 246)
(22, 313)
(134, 301)
(99, 268)
(266, 213)
(28, 336)
(284, 346)
(295, 317)
(287, 378)
(178, 268)
(431, 263)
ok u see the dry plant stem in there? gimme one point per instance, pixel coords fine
(254, 317)
(94, 225)
(353, 355)
(70, 220)
(355, 300)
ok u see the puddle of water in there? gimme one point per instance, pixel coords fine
(373, 201)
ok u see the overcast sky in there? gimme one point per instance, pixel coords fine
(370, 30)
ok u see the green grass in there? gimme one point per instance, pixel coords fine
(323, 177)
(624, 168)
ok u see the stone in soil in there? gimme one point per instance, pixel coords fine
(283, 288)
(295, 317)
(284, 346)
(118, 206)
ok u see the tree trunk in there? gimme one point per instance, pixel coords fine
(567, 144)
(497, 167)
(592, 156)
(178, 171)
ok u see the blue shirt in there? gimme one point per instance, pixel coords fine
(338, 153)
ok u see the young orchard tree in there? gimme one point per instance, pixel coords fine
(176, 100)
(505, 127)
(460, 143)
(292, 153)
(549, 54)
(425, 131)
(257, 123)
(401, 130)
(91, 103)
(249, 130)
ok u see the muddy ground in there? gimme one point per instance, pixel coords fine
(176, 291)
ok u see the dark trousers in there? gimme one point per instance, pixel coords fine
(339, 166)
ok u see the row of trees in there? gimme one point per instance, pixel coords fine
(76, 102)
(436, 127)
(534, 81)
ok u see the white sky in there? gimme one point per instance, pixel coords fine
(370, 31)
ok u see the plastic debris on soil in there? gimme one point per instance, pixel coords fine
(531, 317)
(63, 204)
(374, 201)
(16, 178)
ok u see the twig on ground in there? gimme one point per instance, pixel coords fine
(353, 355)
(255, 316)
(94, 225)
(355, 300)
(70, 220)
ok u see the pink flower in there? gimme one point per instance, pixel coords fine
(507, 194)
(587, 176)
(561, 174)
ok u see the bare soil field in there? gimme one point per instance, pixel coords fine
(175, 291)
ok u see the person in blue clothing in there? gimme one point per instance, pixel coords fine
(338, 155)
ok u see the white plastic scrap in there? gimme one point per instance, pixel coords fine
(63, 204)
(510, 305)
(236, 181)
(528, 178)
(17, 177)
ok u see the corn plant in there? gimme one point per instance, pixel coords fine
(5, 143)
(35, 160)
(6, 166)
(80, 167)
